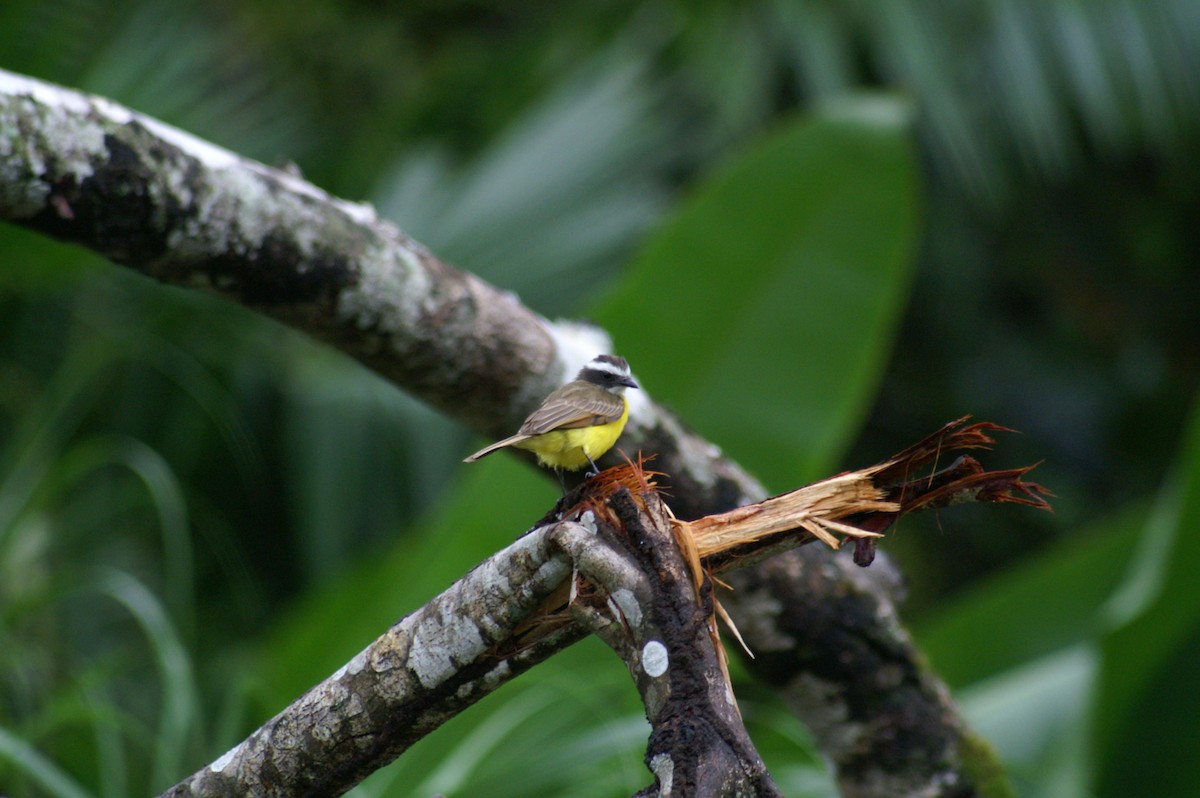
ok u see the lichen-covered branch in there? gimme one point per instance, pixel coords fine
(604, 561)
(611, 560)
(418, 674)
(87, 171)
(83, 169)
(883, 718)
(478, 634)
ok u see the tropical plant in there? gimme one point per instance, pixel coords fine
(195, 499)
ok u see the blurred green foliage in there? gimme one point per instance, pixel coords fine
(818, 229)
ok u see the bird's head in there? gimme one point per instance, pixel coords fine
(608, 372)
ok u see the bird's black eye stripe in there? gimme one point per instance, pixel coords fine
(595, 375)
(600, 377)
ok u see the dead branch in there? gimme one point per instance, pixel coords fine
(610, 559)
(648, 610)
(861, 504)
(883, 718)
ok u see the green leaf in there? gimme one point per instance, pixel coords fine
(1034, 609)
(553, 206)
(1152, 746)
(37, 768)
(1147, 711)
(1035, 715)
(1021, 650)
(763, 310)
(179, 711)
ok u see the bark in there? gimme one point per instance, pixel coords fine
(635, 591)
(85, 170)
(626, 581)
(640, 579)
(418, 674)
(882, 717)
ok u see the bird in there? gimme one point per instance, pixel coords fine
(578, 422)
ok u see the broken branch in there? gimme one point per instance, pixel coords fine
(611, 560)
(861, 504)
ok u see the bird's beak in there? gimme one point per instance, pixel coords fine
(630, 382)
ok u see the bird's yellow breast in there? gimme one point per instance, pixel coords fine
(570, 449)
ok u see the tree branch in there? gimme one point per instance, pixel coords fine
(85, 170)
(634, 591)
(616, 561)
(612, 560)
(418, 674)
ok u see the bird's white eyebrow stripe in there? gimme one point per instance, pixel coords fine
(606, 367)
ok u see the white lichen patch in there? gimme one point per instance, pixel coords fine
(499, 673)
(361, 212)
(391, 292)
(438, 643)
(235, 210)
(551, 572)
(245, 201)
(663, 767)
(655, 659)
(21, 192)
(45, 93)
(489, 626)
(224, 760)
(627, 603)
(74, 113)
(207, 153)
(499, 591)
(588, 522)
(206, 228)
(28, 130)
(177, 183)
(698, 453)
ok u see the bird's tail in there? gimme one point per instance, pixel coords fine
(486, 450)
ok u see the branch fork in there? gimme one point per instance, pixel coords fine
(611, 560)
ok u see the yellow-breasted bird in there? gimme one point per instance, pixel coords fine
(579, 421)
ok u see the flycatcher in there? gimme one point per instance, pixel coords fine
(578, 422)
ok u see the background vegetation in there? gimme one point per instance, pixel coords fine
(819, 229)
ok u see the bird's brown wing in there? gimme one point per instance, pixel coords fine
(573, 406)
